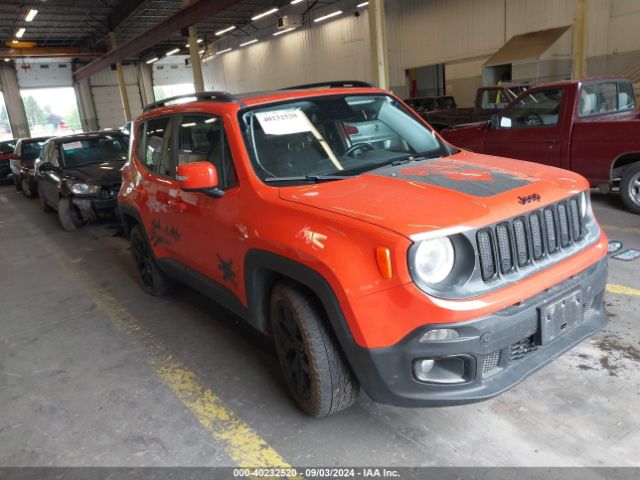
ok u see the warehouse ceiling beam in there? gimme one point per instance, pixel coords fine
(123, 11)
(190, 15)
(52, 52)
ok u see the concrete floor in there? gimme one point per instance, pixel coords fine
(82, 381)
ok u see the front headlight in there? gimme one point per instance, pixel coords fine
(584, 199)
(84, 189)
(434, 260)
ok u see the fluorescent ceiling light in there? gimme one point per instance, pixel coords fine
(190, 124)
(20, 32)
(264, 14)
(199, 41)
(293, 2)
(151, 60)
(223, 51)
(249, 42)
(31, 15)
(225, 30)
(333, 14)
(7, 59)
(171, 52)
(210, 120)
(363, 4)
(283, 31)
(14, 41)
(201, 51)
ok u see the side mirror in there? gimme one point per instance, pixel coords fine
(505, 122)
(199, 177)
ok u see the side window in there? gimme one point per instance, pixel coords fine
(606, 97)
(154, 140)
(201, 138)
(536, 110)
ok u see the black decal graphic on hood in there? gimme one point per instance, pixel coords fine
(459, 176)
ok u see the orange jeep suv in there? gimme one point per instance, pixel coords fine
(332, 218)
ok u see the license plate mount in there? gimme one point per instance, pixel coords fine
(560, 316)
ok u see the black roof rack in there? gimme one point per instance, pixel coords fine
(333, 84)
(220, 96)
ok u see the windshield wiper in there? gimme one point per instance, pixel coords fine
(307, 178)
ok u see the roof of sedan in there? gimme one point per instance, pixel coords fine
(85, 135)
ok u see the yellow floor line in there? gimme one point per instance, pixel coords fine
(242, 444)
(612, 288)
(615, 228)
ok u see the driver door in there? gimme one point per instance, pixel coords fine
(530, 128)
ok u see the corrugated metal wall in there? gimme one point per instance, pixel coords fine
(337, 49)
(459, 33)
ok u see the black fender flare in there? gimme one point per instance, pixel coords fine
(259, 264)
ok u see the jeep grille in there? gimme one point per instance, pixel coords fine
(529, 238)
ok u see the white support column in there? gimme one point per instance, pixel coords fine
(378, 30)
(88, 115)
(196, 66)
(121, 83)
(145, 82)
(579, 41)
(13, 101)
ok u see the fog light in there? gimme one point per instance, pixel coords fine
(440, 334)
(443, 370)
(423, 367)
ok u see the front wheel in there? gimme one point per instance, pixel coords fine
(153, 280)
(46, 208)
(27, 187)
(318, 376)
(630, 188)
(70, 217)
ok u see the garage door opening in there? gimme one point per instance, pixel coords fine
(5, 126)
(166, 91)
(51, 111)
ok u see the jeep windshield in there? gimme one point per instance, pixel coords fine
(334, 137)
(76, 153)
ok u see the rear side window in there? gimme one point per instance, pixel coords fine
(202, 138)
(154, 147)
(606, 97)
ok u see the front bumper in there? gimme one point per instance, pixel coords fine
(94, 207)
(501, 349)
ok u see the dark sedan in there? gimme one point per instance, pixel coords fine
(26, 152)
(79, 176)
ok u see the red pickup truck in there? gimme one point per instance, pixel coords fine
(590, 126)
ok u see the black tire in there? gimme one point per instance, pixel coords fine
(17, 182)
(46, 208)
(28, 188)
(317, 374)
(152, 279)
(630, 188)
(69, 215)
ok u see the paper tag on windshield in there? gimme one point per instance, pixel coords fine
(283, 122)
(71, 145)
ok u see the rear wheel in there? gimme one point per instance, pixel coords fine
(70, 217)
(152, 279)
(630, 188)
(318, 377)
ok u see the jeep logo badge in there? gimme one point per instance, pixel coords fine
(534, 197)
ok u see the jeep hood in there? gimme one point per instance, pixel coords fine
(465, 190)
